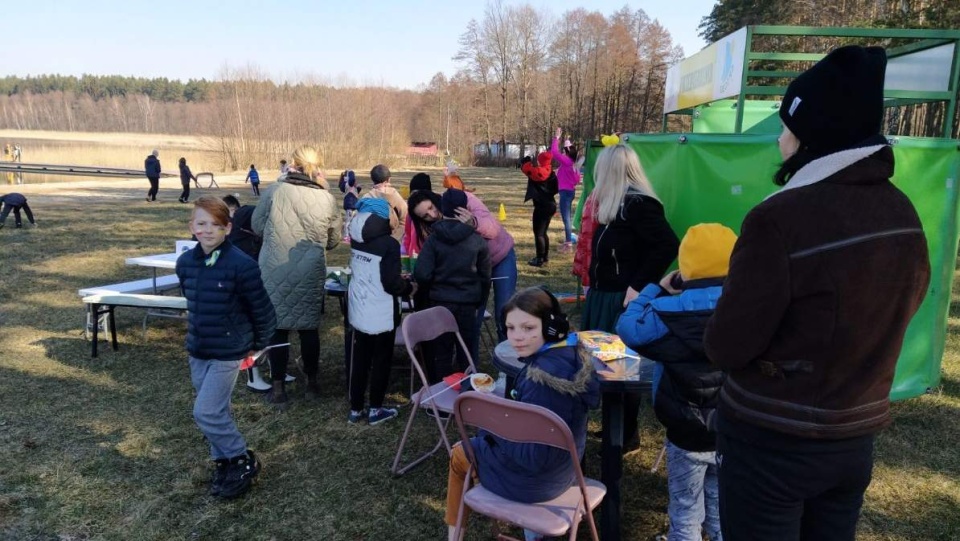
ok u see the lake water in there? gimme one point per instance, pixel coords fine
(95, 154)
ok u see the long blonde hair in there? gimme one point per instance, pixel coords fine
(307, 159)
(617, 170)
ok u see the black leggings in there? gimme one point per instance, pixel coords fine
(256, 188)
(372, 357)
(185, 194)
(309, 350)
(542, 214)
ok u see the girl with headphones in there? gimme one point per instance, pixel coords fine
(553, 377)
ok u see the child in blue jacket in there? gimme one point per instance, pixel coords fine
(666, 323)
(229, 317)
(554, 377)
(254, 177)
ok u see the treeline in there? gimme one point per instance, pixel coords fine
(98, 87)
(921, 119)
(522, 72)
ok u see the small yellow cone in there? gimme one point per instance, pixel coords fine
(503, 213)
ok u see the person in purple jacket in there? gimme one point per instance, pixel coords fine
(567, 177)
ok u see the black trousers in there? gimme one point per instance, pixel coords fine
(776, 495)
(154, 188)
(446, 353)
(542, 214)
(372, 360)
(309, 350)
(185, 193)
(7, 207)
(256, 188)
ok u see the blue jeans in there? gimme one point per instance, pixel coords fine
(214, 381)
(566, 205)
(694, 495)
(504, 285)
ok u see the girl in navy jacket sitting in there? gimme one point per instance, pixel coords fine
(554, 377)
(229, 318)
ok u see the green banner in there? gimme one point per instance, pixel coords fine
(718, 178)
(759, 116)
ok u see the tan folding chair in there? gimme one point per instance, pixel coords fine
(418, 327)
(524, 423)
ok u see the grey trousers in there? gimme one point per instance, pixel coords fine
(214, 381)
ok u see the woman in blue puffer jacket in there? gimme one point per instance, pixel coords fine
(553, 377)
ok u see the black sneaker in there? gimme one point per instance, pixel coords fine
(219, 474)
(239, 475)
(536, 262)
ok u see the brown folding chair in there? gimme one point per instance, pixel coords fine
(418, 327)
(524, 423)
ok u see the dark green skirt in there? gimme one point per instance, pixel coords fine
(601, 310)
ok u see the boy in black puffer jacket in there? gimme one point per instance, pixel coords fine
(455, 266)
(229, 318)
(666, 323)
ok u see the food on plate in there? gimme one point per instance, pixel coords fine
(482, 383)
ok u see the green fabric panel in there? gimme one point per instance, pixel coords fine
(759, 117)
(927, 172)
(719, 178)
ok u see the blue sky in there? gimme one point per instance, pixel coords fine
(398, 43)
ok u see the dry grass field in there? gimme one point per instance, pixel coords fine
(106, 448)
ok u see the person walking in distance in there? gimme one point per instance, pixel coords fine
(151, 168)
(254, 179)
(185, 177)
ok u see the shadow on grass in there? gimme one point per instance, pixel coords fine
(923, 439)
(927, 515)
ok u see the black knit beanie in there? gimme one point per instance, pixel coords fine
(838, 103)
(452, 200)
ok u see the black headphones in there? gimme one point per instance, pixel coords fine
(556, 327)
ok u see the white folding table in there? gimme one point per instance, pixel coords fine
(158, 261)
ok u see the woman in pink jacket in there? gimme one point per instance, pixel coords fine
(567, 177)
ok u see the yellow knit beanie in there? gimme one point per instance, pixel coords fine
(705, 251)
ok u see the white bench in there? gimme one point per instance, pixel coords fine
(164, 283)
(105, 304)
